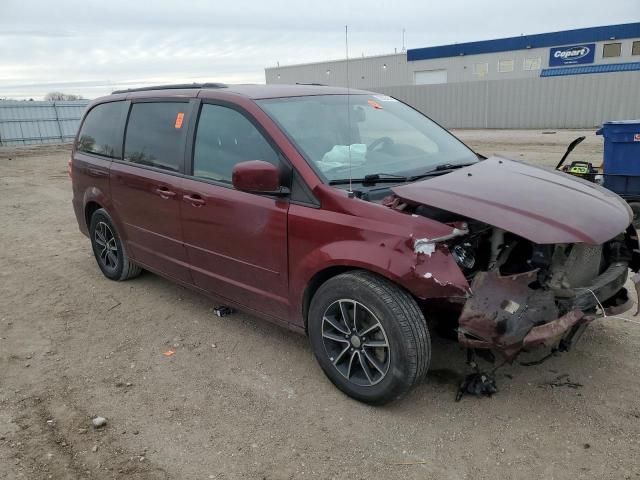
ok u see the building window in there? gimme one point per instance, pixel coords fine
(505, 66)
(530, 64)
(635, 48)
(430, 77)
(611, 50)
(481, 69)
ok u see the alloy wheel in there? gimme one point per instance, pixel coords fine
(355, 342)
(107, 248)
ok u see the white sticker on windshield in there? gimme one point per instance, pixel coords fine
(384, 98)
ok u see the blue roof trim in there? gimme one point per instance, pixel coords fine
(611, 67)
(553, 39)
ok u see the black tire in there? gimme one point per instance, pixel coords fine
(404, 361)
(635, 207)
(115, 263)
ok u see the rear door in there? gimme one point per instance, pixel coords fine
(146, 185)
(236, 241)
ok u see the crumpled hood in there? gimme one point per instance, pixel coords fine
(540, 205)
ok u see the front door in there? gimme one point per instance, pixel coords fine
(236, 241)
(146, 186)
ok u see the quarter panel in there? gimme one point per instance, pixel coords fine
(90, 182)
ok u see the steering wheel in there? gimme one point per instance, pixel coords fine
(380, 142)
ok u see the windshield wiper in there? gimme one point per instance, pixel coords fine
(439, 170)
(371, 179)
(374, 178)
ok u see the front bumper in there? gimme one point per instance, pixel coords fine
(506, 315)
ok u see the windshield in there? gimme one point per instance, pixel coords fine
(372, 135)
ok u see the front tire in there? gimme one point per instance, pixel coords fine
(108, 249)
(369, 337)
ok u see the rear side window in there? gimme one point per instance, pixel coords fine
(225, 138)
(101, 132)
(155, 134)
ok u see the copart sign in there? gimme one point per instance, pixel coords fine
(574, 55)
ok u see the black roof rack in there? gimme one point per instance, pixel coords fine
(179, 86)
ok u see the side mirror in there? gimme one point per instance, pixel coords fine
(258, 176)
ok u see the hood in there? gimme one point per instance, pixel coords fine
(543, 206)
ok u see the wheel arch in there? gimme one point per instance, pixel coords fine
(422, 276)
(315, 282)
(322, 276)
(89, 210)
(95, 199)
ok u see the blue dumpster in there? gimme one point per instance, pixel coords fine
(622, 156)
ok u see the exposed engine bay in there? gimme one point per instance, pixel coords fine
(524, 295)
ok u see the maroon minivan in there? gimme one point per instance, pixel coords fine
(351, 217)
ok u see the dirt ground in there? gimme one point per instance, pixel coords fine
(241, 398)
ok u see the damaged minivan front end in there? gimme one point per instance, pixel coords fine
(527, 295)
(541, 254)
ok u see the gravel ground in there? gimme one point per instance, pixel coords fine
(242, 398)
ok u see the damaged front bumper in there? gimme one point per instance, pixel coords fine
(507, 315)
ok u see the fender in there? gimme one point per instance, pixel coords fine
(390, 247)
(434, 276)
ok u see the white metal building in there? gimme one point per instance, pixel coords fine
(587, 50)
(596, 70)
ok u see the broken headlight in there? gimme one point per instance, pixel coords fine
(464, 255)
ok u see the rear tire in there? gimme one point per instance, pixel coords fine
(108, 249)
(376, 354)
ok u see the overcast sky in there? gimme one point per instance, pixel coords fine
(91, 47)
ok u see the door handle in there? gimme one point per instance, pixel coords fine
(164, 192)
(94, 172)
(194, 199)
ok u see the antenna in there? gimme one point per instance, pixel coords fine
(346, 47)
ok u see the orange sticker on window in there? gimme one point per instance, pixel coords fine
(179, 119)
(374, 104)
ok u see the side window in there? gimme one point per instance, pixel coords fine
(224, 138)
(155, 134)
(101, 132)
